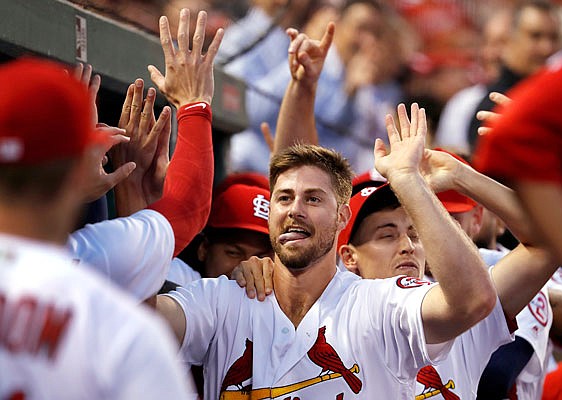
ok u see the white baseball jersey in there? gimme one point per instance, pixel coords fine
(362, 339)
(134, 252)
(458, 375)
(534, 323)
(67, 334)
(181, 273)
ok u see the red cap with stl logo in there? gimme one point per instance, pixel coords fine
(45, 113)
(241, 207)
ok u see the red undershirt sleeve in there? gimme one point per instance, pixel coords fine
(186, 201)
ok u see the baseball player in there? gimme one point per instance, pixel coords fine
(361, 251)
(468, 370)
(64, 333)
(524, 147)
(236, 230)
(324, 333)
(135, 251)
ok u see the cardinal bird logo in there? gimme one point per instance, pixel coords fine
(429, 377)
(324, 355)
(240, 370)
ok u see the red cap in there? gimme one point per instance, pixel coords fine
(370, 178)
(364, 203)
(453, 201)
(45, 113)
(241, 207)
(244, 178)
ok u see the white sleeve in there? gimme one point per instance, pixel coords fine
(137, 355)
(205, 310)
(484, 338)
(534, 323)
(181, 273)
(134, 252)
(398, 317)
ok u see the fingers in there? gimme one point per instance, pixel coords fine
(136, 104)
(183, 30)
(487, 116)
(393, 135)
(199, 35)
(214, 46)
(499, 98)
(380, 149)
(414, 109)
(268, 277)
(422, 123)
(94, 88)
(126, 110)
(120, 174)
(292, 33)
(484, 130)
(266, 132)
(328, 37)
(147, 114)
(296, 43)
(166, 41)
(86, 74)
(404, 121)
(157, 77)
(238, 276)
(249, 277)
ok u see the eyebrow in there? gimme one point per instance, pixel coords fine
(388, 225)
(307, 191)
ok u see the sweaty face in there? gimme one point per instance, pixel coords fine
(387, 245)
(303, 217)
(222, 256)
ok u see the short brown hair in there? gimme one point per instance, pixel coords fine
(34, 182)
(327, 160)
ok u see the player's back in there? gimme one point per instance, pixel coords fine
(65, 333)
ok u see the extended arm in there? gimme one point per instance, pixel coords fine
(188, 84)
(465, 293)
(296, 122)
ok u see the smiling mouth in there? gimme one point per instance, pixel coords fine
(293, 234)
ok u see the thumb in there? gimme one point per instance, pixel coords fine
(156, 77)
(120, 174)
(380, 149)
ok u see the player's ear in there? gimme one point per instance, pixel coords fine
(348, 256)
(344, 215)
(203, 249)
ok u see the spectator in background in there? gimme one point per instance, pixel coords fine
(452, 130)
(534, 36)
(256, 44)
(352, 65)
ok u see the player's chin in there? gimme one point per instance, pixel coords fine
(408, 270)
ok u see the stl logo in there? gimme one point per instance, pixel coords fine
(408, 282)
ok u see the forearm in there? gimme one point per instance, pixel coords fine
(497, 198)
(186, 201)
(129, 197)
(296, 122)
(453, 258)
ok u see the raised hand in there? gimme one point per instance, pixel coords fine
(148, 148)
(307, 56)
(84, 74)
(99, 182)
(407, 146)
(440, 169)
(490, 116)
(189, 73)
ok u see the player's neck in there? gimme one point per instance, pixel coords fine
(39, 223)
(297, 293)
